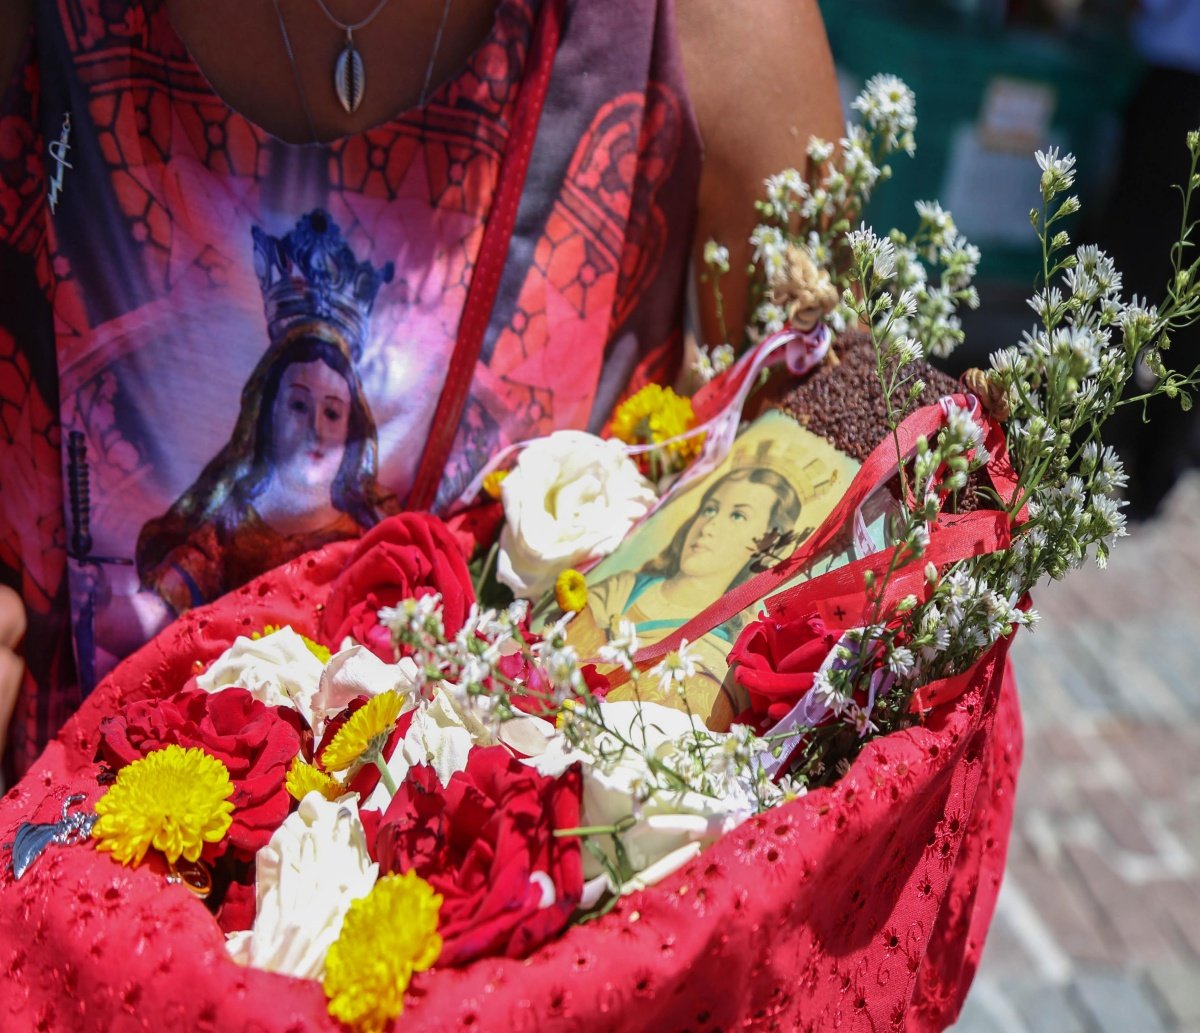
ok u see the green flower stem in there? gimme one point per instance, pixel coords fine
(541, 606)
(624, 825)
(485, 572)
(713, 276)
(384, 774)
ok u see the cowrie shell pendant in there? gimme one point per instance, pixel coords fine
(349, 77)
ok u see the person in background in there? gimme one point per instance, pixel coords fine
(1142, 222)
(141, 140)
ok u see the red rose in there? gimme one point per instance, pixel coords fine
(776, 661)
(597, 683)
(238, 909)
(254, 741)
(477, 527)
(404, 557)
(486, 843)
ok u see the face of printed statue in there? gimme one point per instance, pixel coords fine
(722, 536)
(310, 422)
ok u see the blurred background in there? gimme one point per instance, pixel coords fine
(1097, 928)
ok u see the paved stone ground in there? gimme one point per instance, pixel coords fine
(1097, 928)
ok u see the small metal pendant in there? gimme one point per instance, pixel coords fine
(349, 77)
(32, 838)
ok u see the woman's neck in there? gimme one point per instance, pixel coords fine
(240, 50)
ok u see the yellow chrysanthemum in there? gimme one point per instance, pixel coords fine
(364, 733)
(656, 414)
(173, 799)
(303, 778)
(322, 653)
(386, 936)
(492, 482)
(570, 591)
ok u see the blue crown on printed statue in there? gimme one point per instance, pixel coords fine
(311, 276)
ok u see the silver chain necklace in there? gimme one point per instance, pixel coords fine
(349, 76)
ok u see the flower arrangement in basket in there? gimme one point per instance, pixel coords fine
(715, 728)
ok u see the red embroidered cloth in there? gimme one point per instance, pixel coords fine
(863, 906)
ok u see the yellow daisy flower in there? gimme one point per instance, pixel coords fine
(173, 799)
(386, 936)
(571, 591)
(364, 734)
(303, 778)
(322, 653)
(656, 414)
(492, 482)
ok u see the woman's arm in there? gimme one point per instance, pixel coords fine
(762, 82)
(12, 630)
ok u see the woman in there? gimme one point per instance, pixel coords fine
(166, 129)
(163, 129)
(715, 550)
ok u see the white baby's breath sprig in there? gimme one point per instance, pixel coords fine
(1059, 385)
(716, 256)
(1058, 174)
(674, 670)
(814, 209)
(889, 109)
(620, 649)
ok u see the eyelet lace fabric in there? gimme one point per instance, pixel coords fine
(860, 907)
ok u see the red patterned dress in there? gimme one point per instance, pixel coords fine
(164, 436)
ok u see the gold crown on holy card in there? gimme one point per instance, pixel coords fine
(808, 474)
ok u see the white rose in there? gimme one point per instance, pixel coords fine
(671, 827)
(355, 672)
(571, 497)
(277, 669)
(306, 877)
